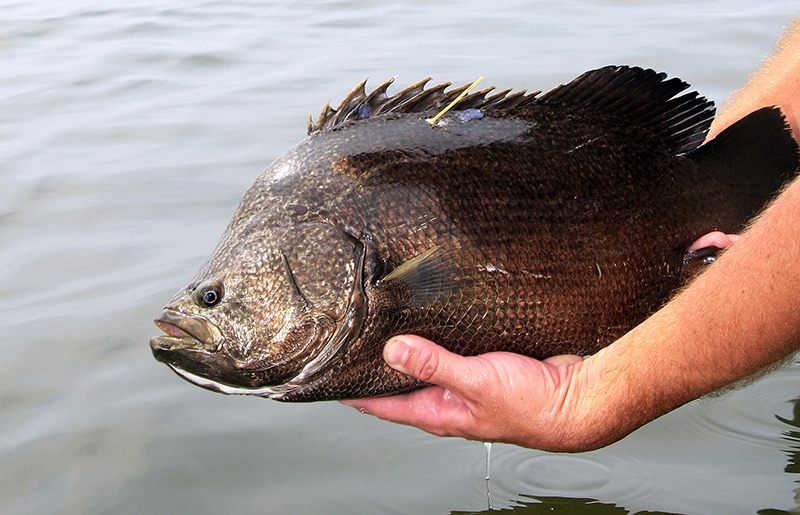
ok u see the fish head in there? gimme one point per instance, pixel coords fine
(269, 310)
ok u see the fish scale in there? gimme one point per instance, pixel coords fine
(538, 225)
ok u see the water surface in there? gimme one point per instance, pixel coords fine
(128, 133)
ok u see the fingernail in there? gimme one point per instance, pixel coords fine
(396, 352)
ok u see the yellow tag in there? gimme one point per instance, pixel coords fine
(454, 102)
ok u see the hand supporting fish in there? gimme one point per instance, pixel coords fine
(486, 397)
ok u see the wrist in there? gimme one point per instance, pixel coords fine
(584, 415)
(626, 385)
(599, 415)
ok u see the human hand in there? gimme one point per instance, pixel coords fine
(494, 397)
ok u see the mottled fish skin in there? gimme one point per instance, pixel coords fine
(544, 225)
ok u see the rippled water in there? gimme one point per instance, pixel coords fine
(128, 133)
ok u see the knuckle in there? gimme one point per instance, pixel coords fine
(426, 365)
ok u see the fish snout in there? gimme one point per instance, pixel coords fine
(186, 331)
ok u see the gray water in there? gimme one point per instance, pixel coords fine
(129, 131)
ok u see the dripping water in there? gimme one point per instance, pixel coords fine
(488, 446)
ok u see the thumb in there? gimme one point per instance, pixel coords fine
(422, 359)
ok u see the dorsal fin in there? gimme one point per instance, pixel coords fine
(359, 105)
(638, 96)
(642, 97)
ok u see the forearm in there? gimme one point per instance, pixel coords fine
(738, 317)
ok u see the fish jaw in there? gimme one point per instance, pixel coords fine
(186, 331)
(203, 360)
(191, 342)
(213, 371)
(210, 367)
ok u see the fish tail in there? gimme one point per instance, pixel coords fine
(752, 159)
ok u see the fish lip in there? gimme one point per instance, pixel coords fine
(185, 331)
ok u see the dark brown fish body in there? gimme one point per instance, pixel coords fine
(540, 226)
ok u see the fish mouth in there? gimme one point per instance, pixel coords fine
(191, 342)
(184, 332)
(193, 348)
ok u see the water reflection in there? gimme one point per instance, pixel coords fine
(563, 505)
(529, 504)
(793, 437)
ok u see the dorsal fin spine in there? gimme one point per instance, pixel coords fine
(414, 98)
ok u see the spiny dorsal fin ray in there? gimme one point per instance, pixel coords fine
(415, 98)
(379, 96)
(395, 103)
(427, 97)
(350, 102)
(641, 97)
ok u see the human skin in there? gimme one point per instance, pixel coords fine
(735, 319)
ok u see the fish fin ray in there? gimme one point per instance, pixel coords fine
(642, 97)
(414, 99)
(432, 277)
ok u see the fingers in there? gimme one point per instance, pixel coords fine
(714, 239)
(438, 409)
(564, 360)
(433, 409)
(423, 360)
(497, 396)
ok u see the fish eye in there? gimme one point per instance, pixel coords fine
(209, 295)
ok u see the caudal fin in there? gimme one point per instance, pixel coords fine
(752, 159)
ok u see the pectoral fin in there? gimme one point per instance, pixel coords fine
(435, 276)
